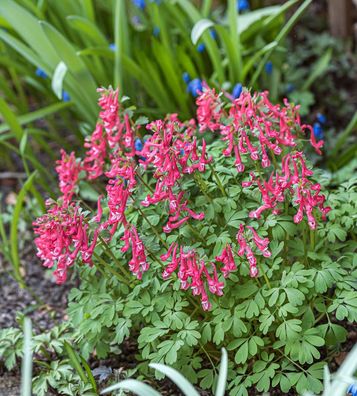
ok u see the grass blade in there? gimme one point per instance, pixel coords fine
(75, 362)
(186, 387)
(57, 79)
(26, 369)
(11, 120)
(222, 376)
(342, 137)
(14, 248)
(281, 35)
(317, 69)
(135, 386)
(36, 115)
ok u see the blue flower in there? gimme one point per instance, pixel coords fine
(138, 145)
(237, 90)
(41, 73)
(112, 47)
(213, 34)
(139, 3)
(65, 96)
(352, 389)
(194, 86)
(269, 67)
(318, 131)
(136, 20)
(201, 47)
(290, 88)
(186, 77)
(156, 31)
(243, 5)
(321, 118)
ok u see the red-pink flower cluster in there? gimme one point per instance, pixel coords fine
(294, 179)
(62, 236)
(172, 153)
(193, 273)
(138, 263)
(68, 169)
(245, 248)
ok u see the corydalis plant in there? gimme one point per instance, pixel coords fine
(261, 137)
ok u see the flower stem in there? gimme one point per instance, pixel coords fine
(110, 269)
(218, 180)
(152, 227)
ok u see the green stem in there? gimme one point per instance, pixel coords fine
(111, 255)
(110, 269)
(218, 180)
(152, 227)
(265, 276)
(312, 240)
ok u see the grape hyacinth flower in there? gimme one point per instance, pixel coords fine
(65, 96)
(269, 67)
(201, 48)
(352, 390)
(139, 4)
(195, 87)
(138, 145)
(318, 131)
(321, 118)
(243, 5)
(156, 31)
(237, 90)
(41, 73)
(186, 77)
(112, 47)
(213, 34)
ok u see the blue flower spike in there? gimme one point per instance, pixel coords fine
(112, 47)
(321, 118)
(156, 31)
(213, 34)
(318, 133)
(186, 77)
(139, 4)
(290, 88)
(352, 390)
(237, 90)
(269, 67)
(243, 5)
(201, 48)
(194, 87)
(65, 96)
(41, 73)
(138, 144)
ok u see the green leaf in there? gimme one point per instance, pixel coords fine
(199, 28)
(137, 387)
(177, 378)
(241, 355)
(288, 329)
(57, 79)
(222, 376)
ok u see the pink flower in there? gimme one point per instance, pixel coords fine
(138, 263)
(68, 169)
(61, 236)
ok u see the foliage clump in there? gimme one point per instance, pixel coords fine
(241, 222)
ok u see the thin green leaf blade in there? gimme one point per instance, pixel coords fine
(186, 387)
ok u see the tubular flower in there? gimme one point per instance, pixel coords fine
(193, 273)
(245, 248)
(138, 263)
(68, 171)
(208, 110)
(61, 238)
(94, 160)
(226, 257)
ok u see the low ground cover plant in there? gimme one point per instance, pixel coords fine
(189, 247)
